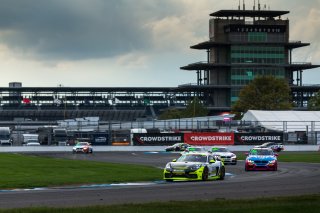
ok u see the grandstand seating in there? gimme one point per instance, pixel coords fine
(59, 114)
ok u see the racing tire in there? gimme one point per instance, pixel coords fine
(169, 180)
(205, 174)
(222, 173)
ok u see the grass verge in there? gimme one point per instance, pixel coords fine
(24, 171)
(298, 204)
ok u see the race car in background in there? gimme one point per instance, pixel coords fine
(276, 147)
(194, 166)
(194, 149)
(227, 156)
(82, 147)
(261, 159)
(177, 147)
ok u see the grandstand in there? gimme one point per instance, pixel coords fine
(109, 104)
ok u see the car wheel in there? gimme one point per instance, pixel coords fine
(246, 168)
(205, 174)
(222, 173)
(169, 180)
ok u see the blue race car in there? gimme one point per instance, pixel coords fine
(261, 159)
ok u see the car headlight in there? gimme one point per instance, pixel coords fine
(272, 162)
(168, 167)
(250, 161)
(233, 156)
(195, 167)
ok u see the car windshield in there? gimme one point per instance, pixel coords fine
(261, 152)
(193, 158)
(217, 149)
(195, 149)
(267, 144)
(82, 143)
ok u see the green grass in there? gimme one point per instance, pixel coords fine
(24, 171)
(309, 203)
(307, 157)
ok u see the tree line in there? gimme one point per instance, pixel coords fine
(263, 93)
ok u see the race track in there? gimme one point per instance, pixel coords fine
(290, 179)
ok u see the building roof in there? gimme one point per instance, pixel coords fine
(209, 66)
(210, 44)
(288, 121)
(249, 13)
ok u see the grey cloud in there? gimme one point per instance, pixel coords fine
(78, 29)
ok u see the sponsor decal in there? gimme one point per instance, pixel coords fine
(257, 138)
(157, 139)
(209, 138)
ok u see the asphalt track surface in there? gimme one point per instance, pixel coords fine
(290, 179)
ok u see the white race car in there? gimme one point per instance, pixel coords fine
(194, 149)
(82, 147)
(227, 156)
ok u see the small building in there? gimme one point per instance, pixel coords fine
(299, 126)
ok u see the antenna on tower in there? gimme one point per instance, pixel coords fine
(259, 5)
(239, 5)
(244, 5)
(254, 4)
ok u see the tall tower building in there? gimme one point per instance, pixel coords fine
(244, 44)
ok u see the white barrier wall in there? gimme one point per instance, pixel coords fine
(137, 148)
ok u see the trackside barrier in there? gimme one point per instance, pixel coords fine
(25, 149)
(205, 138)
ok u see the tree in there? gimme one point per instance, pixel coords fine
(170, 114)
(314, 102)
(264, 93)
(194, 109)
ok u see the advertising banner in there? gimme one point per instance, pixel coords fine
(157, 139)
(209, 138)
(257, 138)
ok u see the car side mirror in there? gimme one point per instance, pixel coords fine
(246, 153)
(212, 161)
(174, 160)
(276, 154)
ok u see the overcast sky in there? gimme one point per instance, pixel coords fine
(130, 43)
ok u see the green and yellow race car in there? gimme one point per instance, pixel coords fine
(195, 166)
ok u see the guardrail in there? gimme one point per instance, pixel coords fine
(23, 149)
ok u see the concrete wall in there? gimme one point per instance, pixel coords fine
(14, 149)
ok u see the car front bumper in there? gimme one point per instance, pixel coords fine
(228, 160)
(259, 167)
(185, 175)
